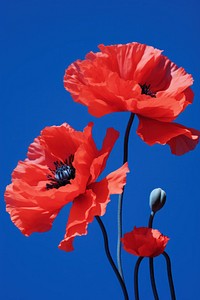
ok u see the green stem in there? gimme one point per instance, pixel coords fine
(120, 199)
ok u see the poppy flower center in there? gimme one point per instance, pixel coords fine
(62, 174)
(146, 90)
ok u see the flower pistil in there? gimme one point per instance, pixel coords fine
(146, 90)
(62, 174)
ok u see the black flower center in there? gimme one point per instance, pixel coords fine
(62, 174)
(147, 91)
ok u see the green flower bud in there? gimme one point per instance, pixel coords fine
(157, 199)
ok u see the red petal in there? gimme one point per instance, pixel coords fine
(144, 64)
(117, 179)
(112, 184)
(26, 214)
(105, 82)
(143, 241)
(31, 206)
(161, 109)
(105, 95)
(36, 152)
(54, 140)
(132, 61)
(99, 162)
(180, 81)
(92, 203)
(180, 139)
(79, 217)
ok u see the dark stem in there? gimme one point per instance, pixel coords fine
(120, 199)
(126, 137)
(136, 289)
(150, 224)
(169, 273)
(153, 282)
(105, 236)
(151, 265)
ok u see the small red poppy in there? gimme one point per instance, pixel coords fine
(144, 241)
(62, 167)
(136, 78)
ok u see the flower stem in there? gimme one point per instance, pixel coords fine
(106, 245)
(150, 224)
(136, 289)
(151, 265)
(169, 273)
(153, 282)
(120, 199)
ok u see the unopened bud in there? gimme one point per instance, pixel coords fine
(157, 199)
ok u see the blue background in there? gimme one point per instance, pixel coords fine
(39, 39)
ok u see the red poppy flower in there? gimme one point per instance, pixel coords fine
(62, 167)
(144, 241)
(136, 78)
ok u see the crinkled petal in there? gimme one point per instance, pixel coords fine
(112, 184)
(27, 215)
(117, 179)
(145, 64)
(59, 142)
(38, 192)
(79, 217)
(144, 241)
(154, 108)
(132, 61)
(31, 206)
(180, 81)
(92, 203)
(99, 162)
(36, 152)
(105, 82)
(180, 139)
(102, 94)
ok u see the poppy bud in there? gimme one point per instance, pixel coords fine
(157, 199)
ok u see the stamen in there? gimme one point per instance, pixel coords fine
(146, 90)
(62, 174)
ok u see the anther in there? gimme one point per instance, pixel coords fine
(146, 90)
(62, 174)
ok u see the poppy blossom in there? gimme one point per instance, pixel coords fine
(144, 241)
(62, 167)
(136, 78)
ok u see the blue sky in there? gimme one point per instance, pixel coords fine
(39, 39)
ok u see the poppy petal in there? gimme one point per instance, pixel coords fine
(27, 215)
(92, 203)
(54, 139)
(131, 60)
(180, 139)
(112, 184)
(154, 108)
(106, 82)
(36, 152)
(180, 81)
(61, 166)
(31, 206)
(103, 94)
(79, 217)
(99, 162)
(144, 241)
(117, 179)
